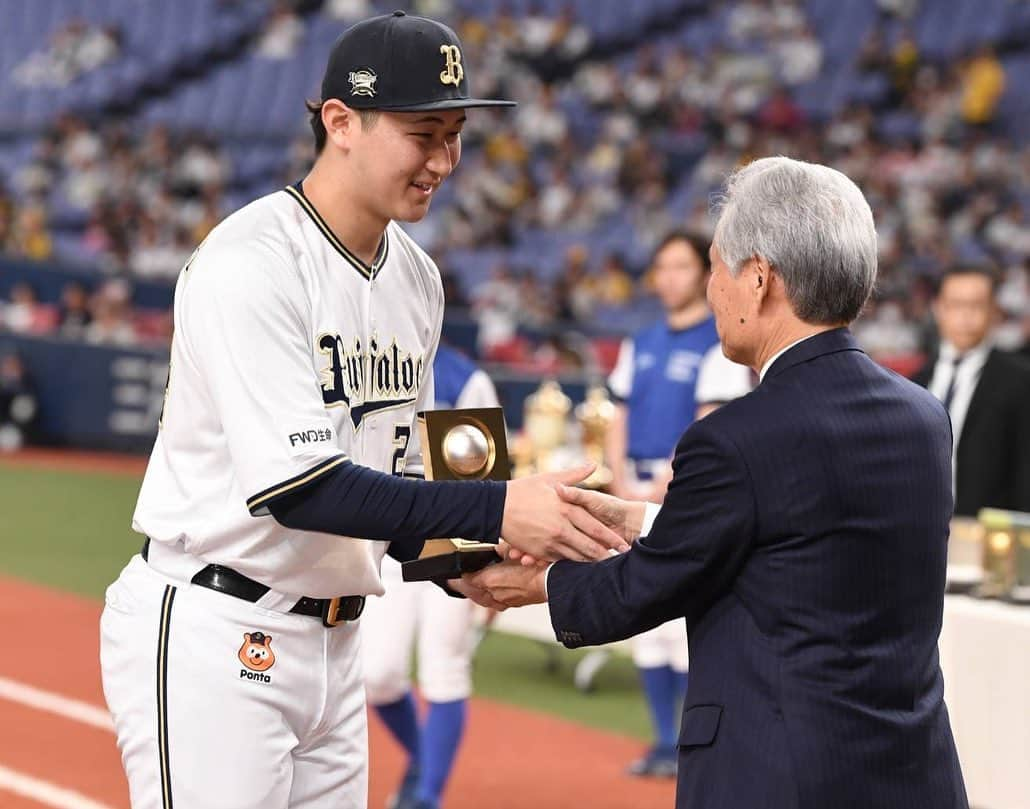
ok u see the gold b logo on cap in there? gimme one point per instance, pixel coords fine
(453, 72)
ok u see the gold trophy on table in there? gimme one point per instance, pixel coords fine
(546, 424)
(468, 444)
(1006, 554)
(595, 416)
(965, 569)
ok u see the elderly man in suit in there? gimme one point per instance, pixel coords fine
(803, 536)
(986, 393)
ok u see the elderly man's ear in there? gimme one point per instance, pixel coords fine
(759, 279)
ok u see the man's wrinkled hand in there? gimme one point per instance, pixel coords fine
(623, 517)
(511, 583)
(475, 594)
(547, 528)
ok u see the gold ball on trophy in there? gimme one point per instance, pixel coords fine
(466, 449)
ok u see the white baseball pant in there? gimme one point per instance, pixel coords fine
(208, 718)
(665, 645)
(410, 615)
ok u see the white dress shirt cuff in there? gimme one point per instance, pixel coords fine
(650, 515)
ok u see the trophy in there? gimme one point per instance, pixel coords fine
(464, 444)
(999, 553)
(965, 555)
(1006, 554)
(595, 416)
(1020, 592)
(546, 425)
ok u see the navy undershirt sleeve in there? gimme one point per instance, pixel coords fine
(359, 502)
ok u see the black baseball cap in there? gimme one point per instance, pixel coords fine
(400, 62)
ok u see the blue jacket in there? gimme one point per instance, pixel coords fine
(803, 538)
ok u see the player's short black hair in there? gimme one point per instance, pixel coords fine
(700, 244)
(368, 119)
(984, 270)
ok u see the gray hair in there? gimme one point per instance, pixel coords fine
(812, 224)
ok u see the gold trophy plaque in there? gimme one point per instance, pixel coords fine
(467, 444)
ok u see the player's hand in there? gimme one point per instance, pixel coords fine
(624, 517)
(506, 551)
(475, 594)
(511, 584)
(539, 523)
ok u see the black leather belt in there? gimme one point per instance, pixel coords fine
(332, 611)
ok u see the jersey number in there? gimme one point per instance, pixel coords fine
(401, 436)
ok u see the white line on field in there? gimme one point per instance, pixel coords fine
(56, 704)
(44, 792)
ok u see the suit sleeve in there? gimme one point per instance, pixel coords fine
(698, 543)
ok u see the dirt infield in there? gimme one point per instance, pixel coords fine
(77, 461)
(512, 759)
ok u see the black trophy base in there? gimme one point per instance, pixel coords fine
(448, 565)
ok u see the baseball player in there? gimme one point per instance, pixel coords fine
(441, 626)
(653, 384)
(305, 330)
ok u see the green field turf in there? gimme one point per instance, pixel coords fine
(71, 531)
(64, 529)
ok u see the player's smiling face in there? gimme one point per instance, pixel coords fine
(409, 155)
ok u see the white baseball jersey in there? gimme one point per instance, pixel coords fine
(720, 379)
(289, 356)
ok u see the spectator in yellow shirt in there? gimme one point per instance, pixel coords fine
(30, 237)
(983, 82)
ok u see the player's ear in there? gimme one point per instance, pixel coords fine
(340, 122)
(246, 637)
(268, 640)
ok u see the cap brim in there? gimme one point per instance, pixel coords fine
(448, 104)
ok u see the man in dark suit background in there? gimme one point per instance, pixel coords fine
(803, 536)
(986, 393)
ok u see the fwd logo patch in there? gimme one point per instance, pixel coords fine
(311, 437)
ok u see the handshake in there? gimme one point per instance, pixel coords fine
(546, 519)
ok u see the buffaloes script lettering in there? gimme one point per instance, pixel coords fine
(453, 72)
(366, 380)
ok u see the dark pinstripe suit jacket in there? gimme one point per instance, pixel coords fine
(803, 537)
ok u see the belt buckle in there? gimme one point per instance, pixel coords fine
(331, 612)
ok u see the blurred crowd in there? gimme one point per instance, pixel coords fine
(145, 199)
(74, 48)
(103, 315)
(641, 137)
